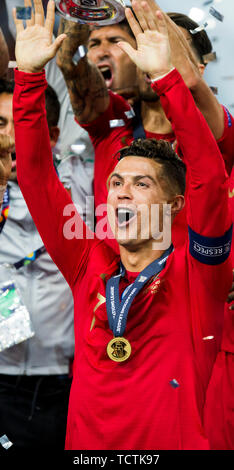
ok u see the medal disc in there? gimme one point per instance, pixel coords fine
(119, 349)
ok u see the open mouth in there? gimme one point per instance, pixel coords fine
(107, 74)
(124, 216)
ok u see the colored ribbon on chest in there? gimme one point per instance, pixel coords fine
(119, 349)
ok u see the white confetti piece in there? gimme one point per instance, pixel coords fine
(198, 29)
(216, 14)
(5, 442)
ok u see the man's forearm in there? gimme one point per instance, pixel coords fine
(44, 194)
(185, 62)
(88, 94)
(4, 54)
(86, 85)
(77, 34)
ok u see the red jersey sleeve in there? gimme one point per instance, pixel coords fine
(207, 200)
(50, 205)
(208, 212)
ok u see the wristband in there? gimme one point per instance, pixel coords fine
(161, 76)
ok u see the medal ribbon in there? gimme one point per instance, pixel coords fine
(117, 312)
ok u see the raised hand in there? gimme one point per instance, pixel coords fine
(34, 44)
(153, 54)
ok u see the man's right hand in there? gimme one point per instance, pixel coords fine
(153, 53)
(76, 34)
(34, 46)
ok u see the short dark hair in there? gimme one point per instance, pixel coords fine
(200, 41)
(161, 151)
(51, 100)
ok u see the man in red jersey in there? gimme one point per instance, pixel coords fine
(151, 354)
(220, 120)
(219, 414)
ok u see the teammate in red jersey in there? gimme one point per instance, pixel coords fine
(89, 98)
(107, 139)
(111, 127)
(161, 356)
(215, 114)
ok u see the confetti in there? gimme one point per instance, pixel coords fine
(198, 29)
(214, 89)
(209, 57)
(12, 64)
(174, 383)
(206, 338)
(80, 53)
(4, 441)
(23, 13)
(216, 14)
(116, 123)
(129, 114)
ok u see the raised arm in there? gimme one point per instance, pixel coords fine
(185, 62)
(85, 83)
(207, 205)
(62, 230)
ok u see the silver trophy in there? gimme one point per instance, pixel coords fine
(94, 12)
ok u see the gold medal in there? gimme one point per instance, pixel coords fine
(119, 349)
